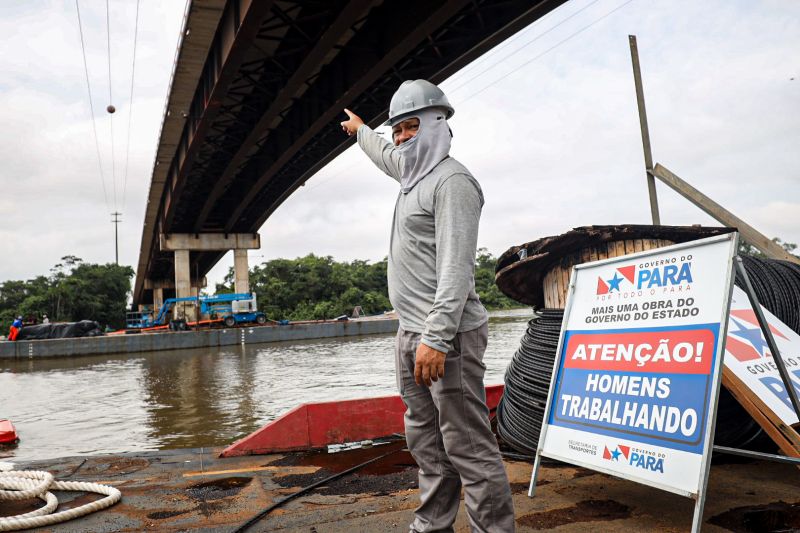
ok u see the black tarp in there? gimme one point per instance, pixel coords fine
(60, 330)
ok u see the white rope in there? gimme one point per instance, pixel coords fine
(27, 484)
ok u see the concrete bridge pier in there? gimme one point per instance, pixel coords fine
(184, 243)
(241, 272)
(158, 298)
(158, 286)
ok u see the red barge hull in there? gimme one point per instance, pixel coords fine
(316, 425)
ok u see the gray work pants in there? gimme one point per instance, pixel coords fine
(448, 433)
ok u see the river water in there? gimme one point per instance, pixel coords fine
(203, 397)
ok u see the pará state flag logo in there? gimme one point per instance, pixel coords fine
(745, 339)
(621, 275)
(619, 451)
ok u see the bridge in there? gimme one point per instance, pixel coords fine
(254, 107)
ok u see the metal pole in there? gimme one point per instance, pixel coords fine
(758, 455)
(648, 155)
(773, 348)
(116, 222)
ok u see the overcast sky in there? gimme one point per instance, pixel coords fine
(546, 121)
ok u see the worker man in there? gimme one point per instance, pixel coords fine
(443, 325)
(16, 326)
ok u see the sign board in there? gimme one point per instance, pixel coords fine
(748, 357)
(636, 380)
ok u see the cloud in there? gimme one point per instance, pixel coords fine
(52, 194)
(780, 215)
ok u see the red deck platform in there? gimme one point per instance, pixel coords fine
(316, 425)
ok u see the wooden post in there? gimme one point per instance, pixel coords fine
(648, 155)
(748, 233)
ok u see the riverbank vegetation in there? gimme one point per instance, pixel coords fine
(74, 290)
(305, 288)
(315, 287)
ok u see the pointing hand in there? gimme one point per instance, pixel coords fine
(351, 125)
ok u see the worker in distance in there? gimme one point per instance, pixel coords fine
(443, 325)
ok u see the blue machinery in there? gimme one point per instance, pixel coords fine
(231, 308)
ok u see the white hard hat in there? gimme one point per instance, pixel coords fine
(414, 95)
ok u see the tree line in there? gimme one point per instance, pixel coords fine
(306, 288)
(74, 290)
(318, 287)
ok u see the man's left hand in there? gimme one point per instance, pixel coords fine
(429, 365)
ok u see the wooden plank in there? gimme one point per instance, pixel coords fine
(550, 290)
(787, 439)
(638, 246)
(546, 289)
(282, 469)
(557, 298)
(629, 247)
(554, 288)
(620, 248)
(709, 206)
(565, 284)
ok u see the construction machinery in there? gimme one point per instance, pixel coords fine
(231, 309)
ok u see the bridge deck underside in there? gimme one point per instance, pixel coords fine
(265, 114)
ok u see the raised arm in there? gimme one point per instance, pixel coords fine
(379, 150)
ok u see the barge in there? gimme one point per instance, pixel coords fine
(373, 488)
(202, 338)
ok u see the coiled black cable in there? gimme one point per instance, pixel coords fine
(777, 287)
(527, 382)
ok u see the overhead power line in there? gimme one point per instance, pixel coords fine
(130, 108)
(490, 55)
(539, 56)
(91, 106)
(539, 36)
(111, 107)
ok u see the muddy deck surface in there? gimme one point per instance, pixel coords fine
(193, 490)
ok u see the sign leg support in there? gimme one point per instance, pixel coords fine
(759, 455)
(697, 519)
(537, 462)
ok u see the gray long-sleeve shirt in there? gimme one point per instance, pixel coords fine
(432, 249)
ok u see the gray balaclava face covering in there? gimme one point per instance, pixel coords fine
(426, 149)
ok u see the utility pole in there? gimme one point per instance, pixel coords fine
(116, 221)
(648, 156)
